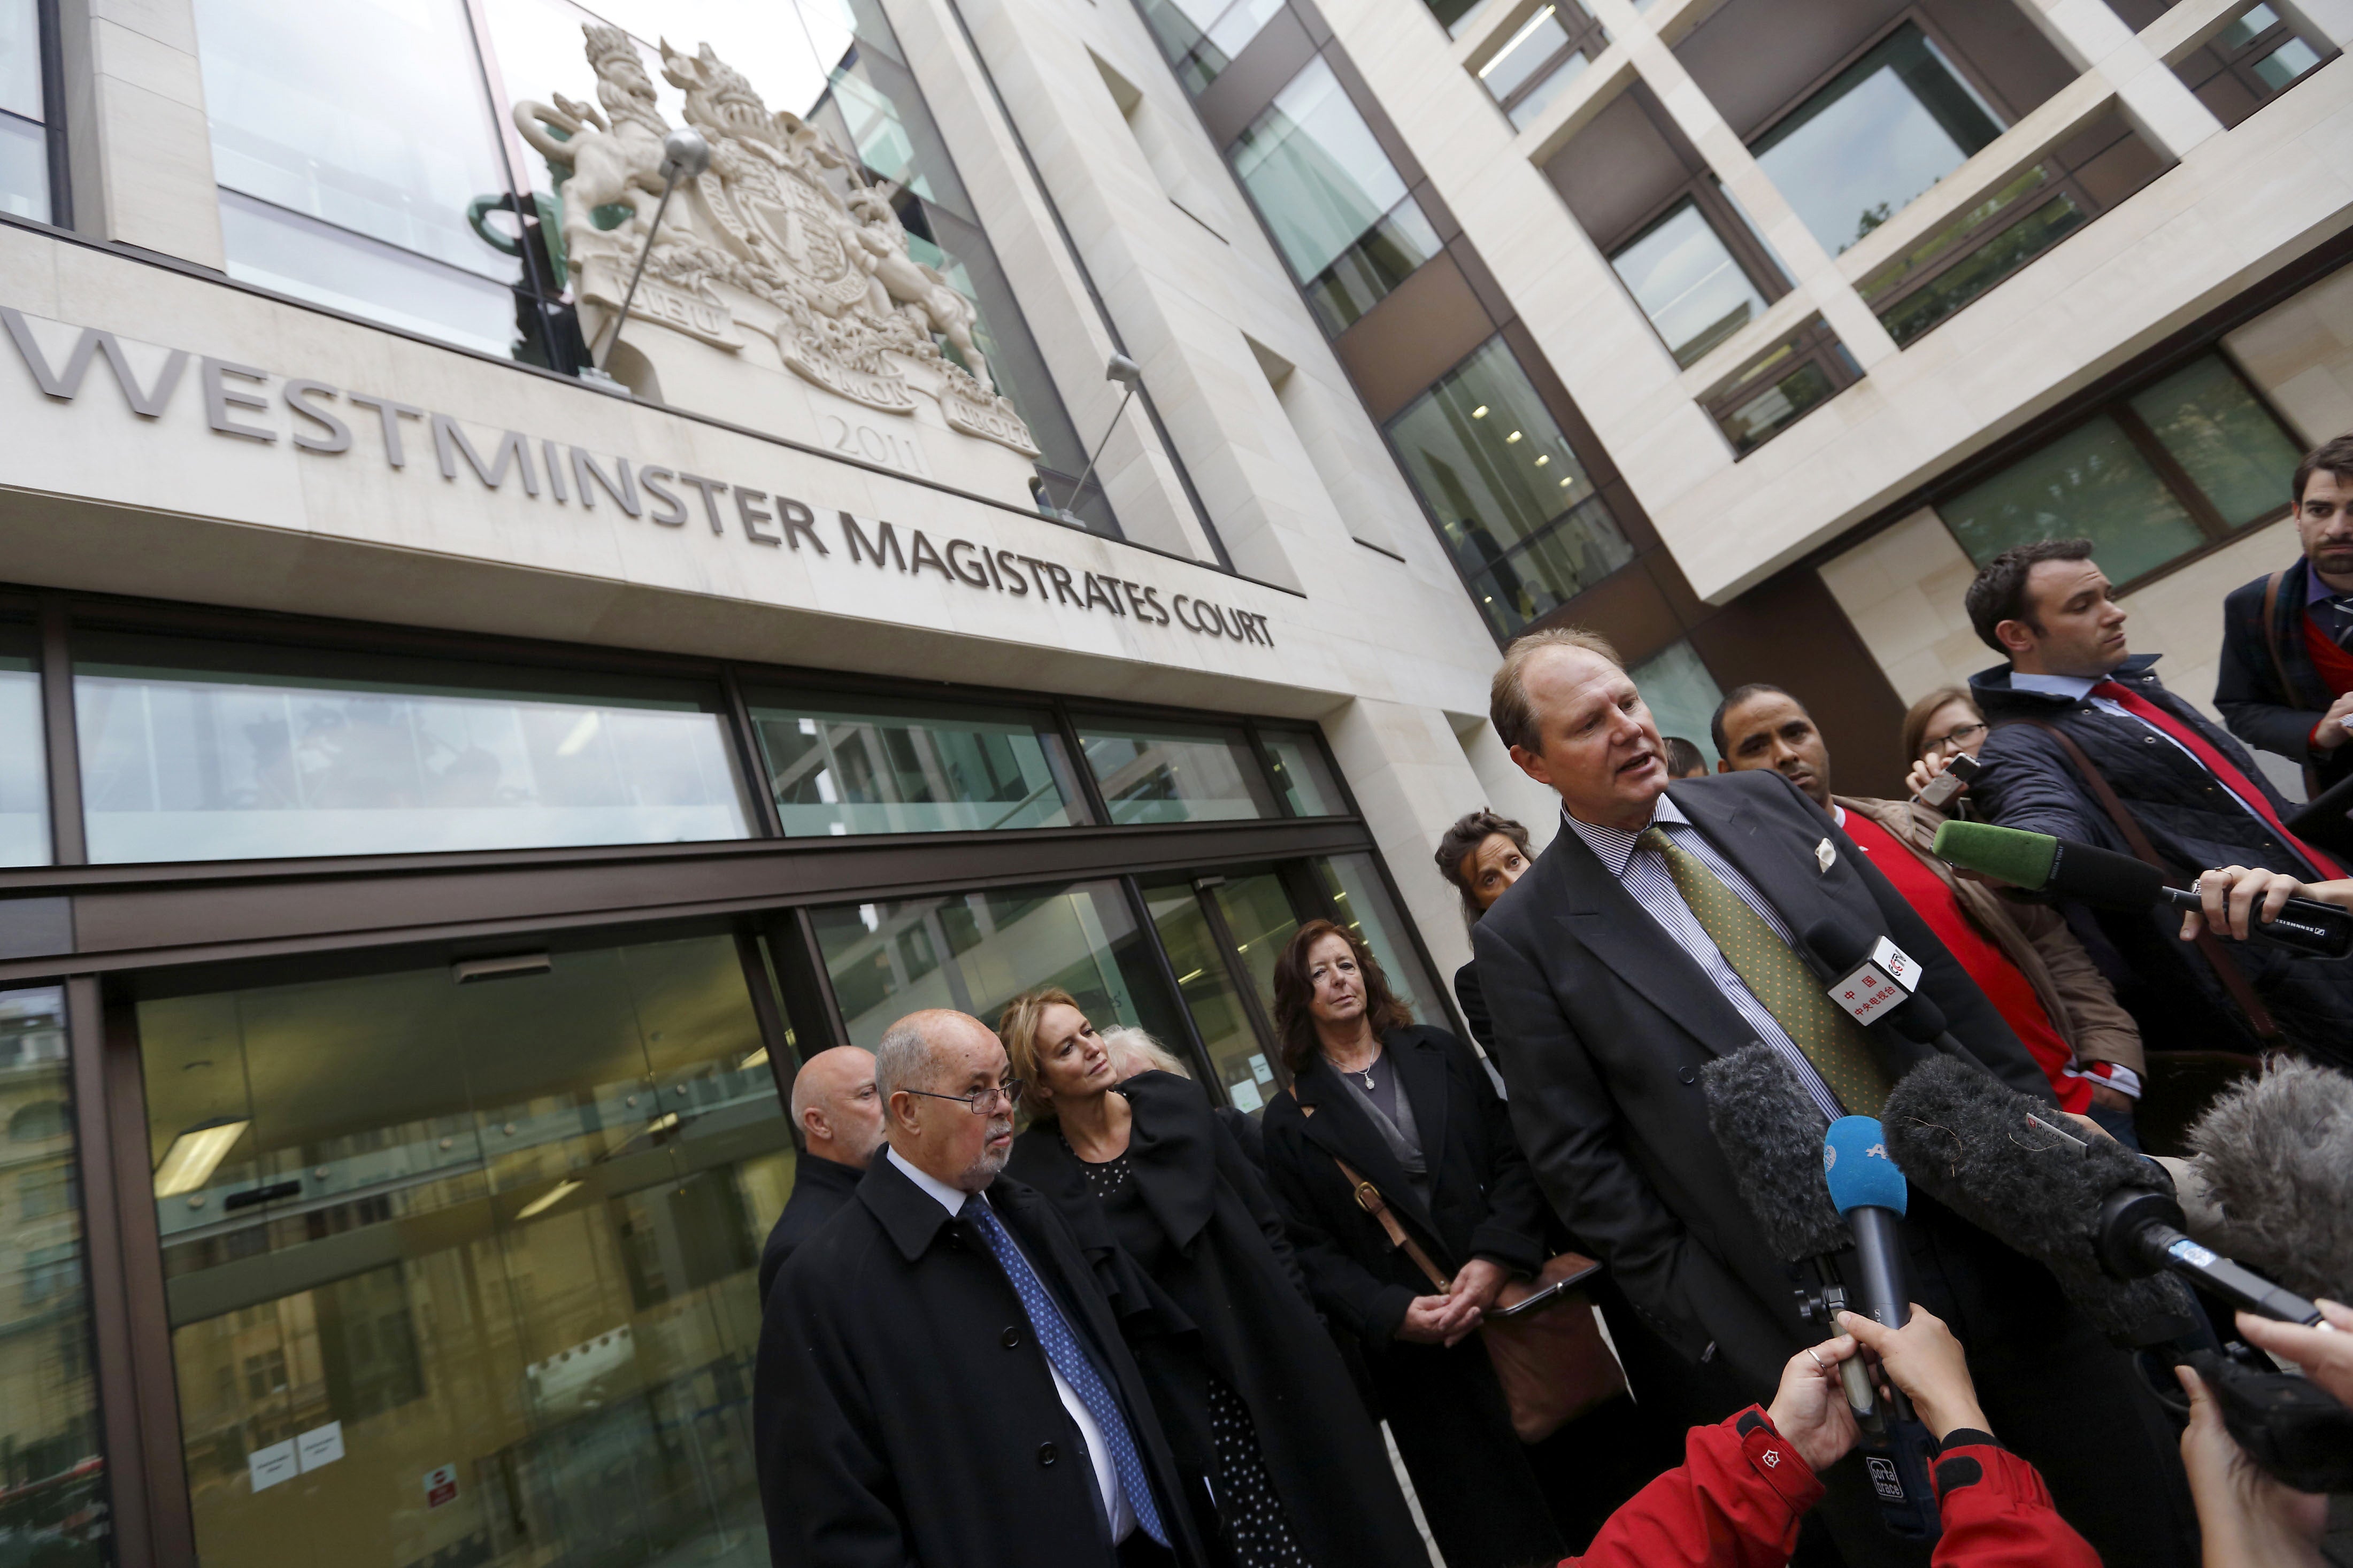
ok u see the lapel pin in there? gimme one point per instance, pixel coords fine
(1824, 855)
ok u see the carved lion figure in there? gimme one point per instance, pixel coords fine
(611, 160)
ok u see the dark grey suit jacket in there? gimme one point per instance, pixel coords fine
(1603, 1024)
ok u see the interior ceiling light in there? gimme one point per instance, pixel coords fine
(548, 1199)
(195, 1154)
(758, 1059)
(582, 733)
(1542, 458)
(1480, 411)
(1512, 437)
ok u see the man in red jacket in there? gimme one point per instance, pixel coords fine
(1744, 1486)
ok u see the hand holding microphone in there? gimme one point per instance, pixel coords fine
(1923, 1360)
(2234, 897)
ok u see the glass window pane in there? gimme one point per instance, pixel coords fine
(2089, 483)
(370, 117)
(977, 951)
(880, 766)
(1201, 37)
(1540, 38)
(1239, 1062)
(1301, 774)
(1456, 16)
(24, 169)
(1549, 87)
(1495, 471)
(1962, 283)
(20, 58)
(24, 753)
(1322, 182)
(1688, 284)
(293, 255)
(1680, 693)
(2245, 28)
(1890, 126)
(1354, 885)
(1775, 409)
(203, 752)
(2234, 448)
(1174, 773)
(505, 1234)
(2287, 63)
(53, 1498)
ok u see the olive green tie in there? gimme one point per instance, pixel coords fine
(1828, 1035)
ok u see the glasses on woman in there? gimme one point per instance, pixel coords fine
(982, 1102)
(1957, 737)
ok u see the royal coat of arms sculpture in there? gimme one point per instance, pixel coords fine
(785, 216)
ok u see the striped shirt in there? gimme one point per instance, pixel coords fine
(1644, 874)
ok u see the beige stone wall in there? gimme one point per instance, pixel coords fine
(2301, 355)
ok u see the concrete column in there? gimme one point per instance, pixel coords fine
(141, 148)
(2093, 38)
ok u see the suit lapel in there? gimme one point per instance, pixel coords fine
(1602, 916)
(1339, 1126)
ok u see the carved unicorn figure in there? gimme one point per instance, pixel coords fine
(900, 281)
(615, 161)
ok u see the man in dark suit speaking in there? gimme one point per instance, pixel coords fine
(1659, 932)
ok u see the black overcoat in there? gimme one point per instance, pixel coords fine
(1483, 1501)
(902, 1411)
(1223, 1289)
(819, 1187)
(1603, 1023)
(2247, 690)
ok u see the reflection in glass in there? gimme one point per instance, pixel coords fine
(2090, 483)
(2284, 65)
(1335, 205)
(24, 169)
(1537, 54)
(1783, 401)
(1259, 919)
(20, 58)
(1241, 1064)
(1962, 283)
(284, 251)
(503, 1234)
(1362, 904)
(1884, 130)
(977, 951)
(24, 753)
(1174, 773)
(205, 752)
(1301, 774)
(2247, 26)
(1680, 693)
(2231, 447)
(1492, 467)
(53, 1493)
(1687, 283)
(890, 767)
(1201, 37)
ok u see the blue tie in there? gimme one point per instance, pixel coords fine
(1061, 1348)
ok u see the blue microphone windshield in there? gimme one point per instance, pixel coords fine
(1856, 1165)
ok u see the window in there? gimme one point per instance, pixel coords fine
(39, 1121)
(1336, 206)
(881, 766)
(2257, 55)
(1781, 386)
(1680, 693)
(2193, 458)
(1513, 502)
(1201, 37)
(24, 753)
(24, 138)
(1550, 50)
(1456, 16)
(1685, 280)
(196, 751)
(1301, 775)
(49, 1424)
(1176, 772)
(1883, 132)
(977, 951)
(1360, 902)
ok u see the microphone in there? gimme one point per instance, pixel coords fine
(2275, 1154)
(1869, 1191)
(2088, 874)
(1876, 982)
(2001, 1160)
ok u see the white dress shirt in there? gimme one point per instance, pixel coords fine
(1644, 874)
(1116, 1504)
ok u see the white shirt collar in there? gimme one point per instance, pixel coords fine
(947, 1196)
(1614, 847)
(2075, 687)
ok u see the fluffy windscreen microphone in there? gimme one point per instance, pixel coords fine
(2003, 1161)
(2276, 1156)
(1772, 1134)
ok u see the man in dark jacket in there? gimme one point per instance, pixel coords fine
(2191, 793)
(836, 1126)
(1659, 932)
(940, 1381)
(2287, 685)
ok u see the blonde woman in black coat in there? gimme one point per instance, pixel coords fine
(1280, 1460)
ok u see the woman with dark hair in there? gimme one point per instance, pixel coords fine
(1482, 855)
(1282, 1463)
(1409, 1108)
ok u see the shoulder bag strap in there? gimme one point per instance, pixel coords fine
(2258, 1016)
(1368, 1198)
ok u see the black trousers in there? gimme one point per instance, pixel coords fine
(2057, 1394)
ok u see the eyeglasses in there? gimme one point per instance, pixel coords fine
(1957, 738)
(981, 1102)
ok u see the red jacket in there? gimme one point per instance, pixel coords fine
(1736, 1499)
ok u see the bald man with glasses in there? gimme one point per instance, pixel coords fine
(940, 1380)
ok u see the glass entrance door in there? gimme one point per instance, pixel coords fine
(460, 1269)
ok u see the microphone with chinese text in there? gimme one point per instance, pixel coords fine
(2090, 875)
(1877, 983)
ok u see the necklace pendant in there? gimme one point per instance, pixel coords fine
(1367, 1076)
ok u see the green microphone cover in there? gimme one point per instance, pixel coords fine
(2021, 860)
